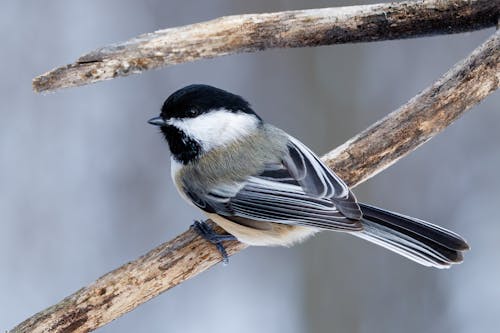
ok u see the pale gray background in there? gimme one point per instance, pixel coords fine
(85, 185)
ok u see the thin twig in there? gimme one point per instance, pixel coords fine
(373, 150)
(256, 32)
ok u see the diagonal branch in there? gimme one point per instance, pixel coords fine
(371, 151)
(256, 32)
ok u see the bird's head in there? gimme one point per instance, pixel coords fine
(199, 118)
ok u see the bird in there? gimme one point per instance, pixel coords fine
(266, 188)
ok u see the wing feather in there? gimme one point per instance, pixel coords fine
(299, 191)
(318, 180)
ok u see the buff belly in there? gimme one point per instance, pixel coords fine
(271, 234)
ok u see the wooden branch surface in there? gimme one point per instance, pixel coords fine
(373, 150)
(256, 32)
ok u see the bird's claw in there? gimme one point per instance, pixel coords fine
(206, 231)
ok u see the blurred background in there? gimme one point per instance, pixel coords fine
(85, 181)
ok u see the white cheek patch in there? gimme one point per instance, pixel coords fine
(217, 128)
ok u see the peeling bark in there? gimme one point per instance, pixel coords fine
(257, 32)
(425, 115)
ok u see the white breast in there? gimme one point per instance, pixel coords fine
(175, 167)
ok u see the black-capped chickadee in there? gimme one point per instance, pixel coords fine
(265, 187)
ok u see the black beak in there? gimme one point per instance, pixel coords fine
(157, 121)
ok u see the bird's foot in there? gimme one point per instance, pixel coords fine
(206, 231)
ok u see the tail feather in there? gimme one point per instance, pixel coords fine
(420, 241)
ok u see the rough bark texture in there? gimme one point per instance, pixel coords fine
(357, 160)
(129, 286)
(421, 118)
(255, 32)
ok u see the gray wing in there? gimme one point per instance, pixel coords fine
(299, 191)
(318, 180)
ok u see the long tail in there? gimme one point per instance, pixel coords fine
(420, 241)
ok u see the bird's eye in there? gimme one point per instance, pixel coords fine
(193, 112)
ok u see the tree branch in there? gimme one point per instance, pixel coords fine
(373, 150)
(256, 32)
